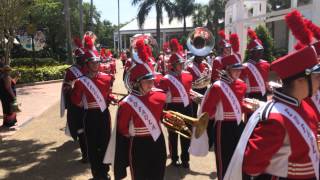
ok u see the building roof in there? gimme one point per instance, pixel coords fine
(150, 24)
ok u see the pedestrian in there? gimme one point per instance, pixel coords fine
(8, 97)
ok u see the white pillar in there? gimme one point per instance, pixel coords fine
(240, 26)
(315, 12)
(292, 41)
(120, 42)
(125, 41)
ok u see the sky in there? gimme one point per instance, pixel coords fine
(109, 10)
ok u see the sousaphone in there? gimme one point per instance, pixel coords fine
(200, 41)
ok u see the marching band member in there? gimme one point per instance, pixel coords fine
(138, 118)
(177, 84)
(164, 59)
(223, 102)
(256, 73)
(225, 50)
(75, 113)
(282, 133)
(93, 92)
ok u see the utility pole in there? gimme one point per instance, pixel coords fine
(68, 30)
(81, 18)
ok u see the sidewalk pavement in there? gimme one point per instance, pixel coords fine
(34, 100)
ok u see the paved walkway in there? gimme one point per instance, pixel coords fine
(34, 100)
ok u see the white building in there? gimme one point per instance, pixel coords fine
(241, 14)
(167, 30)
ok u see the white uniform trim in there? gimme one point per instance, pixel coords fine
(258, 77)
(182, 91)
(145, 115)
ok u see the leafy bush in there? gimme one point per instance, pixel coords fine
(39, 62)
(45, 73)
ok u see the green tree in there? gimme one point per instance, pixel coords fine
(145, 7)
(183, 9)
(199, 15)
(11, 18)
(267, 42)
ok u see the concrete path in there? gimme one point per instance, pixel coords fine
(34, 100)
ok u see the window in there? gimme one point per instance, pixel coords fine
(304, 2)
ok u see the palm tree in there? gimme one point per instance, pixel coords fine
(199, 15)
(183, 9)
(146, 5)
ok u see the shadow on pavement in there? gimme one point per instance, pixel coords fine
(39, 161)
(174, 173)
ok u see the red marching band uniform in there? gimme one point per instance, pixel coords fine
(177, 85)
(280, 139)
(134, 113)
(93, 93)
(223, 102)
(225, 50)
(74, 113)
(257, 70)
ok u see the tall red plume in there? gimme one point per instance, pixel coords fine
(174, 44)
(299, 29)
(77, 42)
(148, 49)
(141, 49)
(299, 45)
(102, 52)
(222, 34)
(180, 48)
(88, 42)
(313, 28)
(252, 34)
(165, 45)
(235, 43)
(109, 53)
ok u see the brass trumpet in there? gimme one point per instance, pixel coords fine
(177, 123)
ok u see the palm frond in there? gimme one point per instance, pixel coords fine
(144, 10)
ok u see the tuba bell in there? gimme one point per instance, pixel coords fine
(200, 42)
(178, 123)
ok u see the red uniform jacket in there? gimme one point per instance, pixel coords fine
(127, 118)
(276, 147)
(102, 81)
(248, 77)
(216, 66)
(70, 77)
(215, 95)
(174, 97)
(202, 68)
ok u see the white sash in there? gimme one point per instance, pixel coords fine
(145, 114)
(304, 130)
(182, 91)
(316, 100)
(95, 92)
(258, 78)
(195, 69)
(234, 170)
(233, 100)
(75, 71)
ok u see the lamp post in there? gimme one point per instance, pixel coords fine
(118, 28)
(68, 30)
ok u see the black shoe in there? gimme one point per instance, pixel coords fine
(186, 165)
(175, 163)
(10, 124)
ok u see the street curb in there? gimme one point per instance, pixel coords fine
(39, 83)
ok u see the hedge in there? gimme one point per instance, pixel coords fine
(38, 61)
(45, 73)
